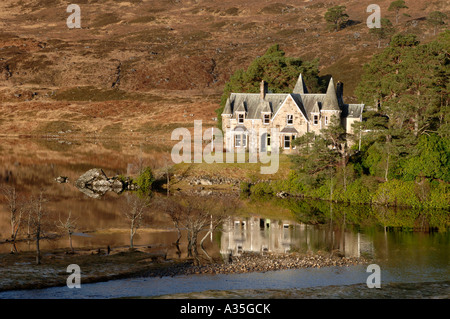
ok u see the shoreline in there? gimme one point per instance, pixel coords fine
(392, 290)
(139, 264)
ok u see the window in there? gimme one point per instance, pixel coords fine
(237, 140)
(316, 119)
(290, 119)
(268, 139)
(266, 118)
(326, 120)
(287, 141)
(292, 140)
(240, 140)
(240, 118)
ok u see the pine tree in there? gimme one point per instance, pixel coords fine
(396, 6)
(384, 32)
(411, 82)
(436, 19)
(336, 17)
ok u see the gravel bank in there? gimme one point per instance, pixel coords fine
(253, 262)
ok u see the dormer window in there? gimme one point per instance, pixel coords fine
(266, 118)
(315, 119)
(240, 118)
(290, 119)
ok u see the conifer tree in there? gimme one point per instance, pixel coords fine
(396, 6)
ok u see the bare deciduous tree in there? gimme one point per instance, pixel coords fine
(15, 207)
(135, 210)
(174, 210)
(68, 226)
(196, 214)
(37, 215)
(222, 210)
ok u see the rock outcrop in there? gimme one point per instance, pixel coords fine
(94, 183)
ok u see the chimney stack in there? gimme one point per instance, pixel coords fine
(263, 89)
(340, 92)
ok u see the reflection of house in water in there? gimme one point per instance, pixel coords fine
(255, 234)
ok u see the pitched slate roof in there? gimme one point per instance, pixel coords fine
(253, 103)
(308, 103)
(352, 110)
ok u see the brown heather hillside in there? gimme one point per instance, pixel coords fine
(147, 66)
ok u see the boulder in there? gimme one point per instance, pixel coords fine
(282, 194)
(95, 183)
(62, 179)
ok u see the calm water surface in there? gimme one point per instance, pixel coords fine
(404, 255)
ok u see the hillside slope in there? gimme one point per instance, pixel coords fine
(163, 55)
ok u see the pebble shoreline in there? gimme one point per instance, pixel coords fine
(252, 262)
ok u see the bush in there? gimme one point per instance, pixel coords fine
(245, 189)
(145, 181)
(439, 196)
(261, 189)
(356, 193)
(397, 193)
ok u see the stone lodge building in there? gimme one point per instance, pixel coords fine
(293, 114)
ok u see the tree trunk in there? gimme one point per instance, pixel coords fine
(131, 234)
(203, 239)
(388, 141)
(70, 242)
(344, 166)
(331, 186)
(189, 246)
(387, 168)
(38, 250)
(131, 240)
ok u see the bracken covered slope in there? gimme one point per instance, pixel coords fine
(166, 60)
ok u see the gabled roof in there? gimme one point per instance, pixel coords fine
(315, 108)
(241, 107)
(297, 100)
(265, 106)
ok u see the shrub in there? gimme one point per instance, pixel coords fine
(245, 189)
(261, 189)
(144, 182)
(396, 193)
